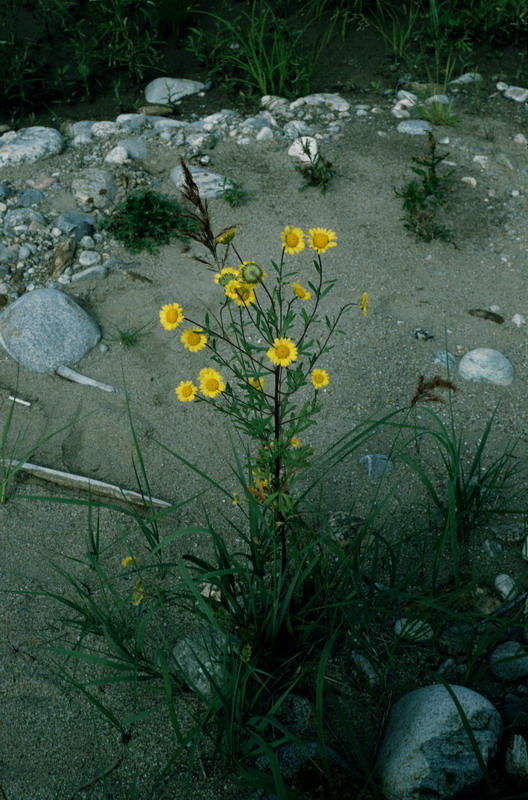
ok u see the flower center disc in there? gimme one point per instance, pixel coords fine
(171, 315)
(320, 240)
(193, 338)
(282, 351)
(186, 391)
(212, 384)
(292, 240)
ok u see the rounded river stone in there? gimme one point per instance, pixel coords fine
(485, 365)
(46, 329)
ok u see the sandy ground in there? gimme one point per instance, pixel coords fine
(51, 742)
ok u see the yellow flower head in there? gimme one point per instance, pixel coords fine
(129, 561)
(251, 272)
(247, 651)
(320, 239)
(282, 352)
(225, 275)
(211, 382)
(232, 287)
(295, 442)
(256, 383)
(138, 594)
(186, 391)
(171, 316)
(363, 303)
(300, 292)
(236, 499)
(319, 378)
(226, 236)
(292, 240)
(194, 339)
(245, 295)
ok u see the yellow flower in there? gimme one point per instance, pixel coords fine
(236, 499)
(320, 239)
(129, 561)
(246, 652)
(186, 391)
(194, 339)
(138, 594)
(256, 383)
(319, 378)
(225, 275)
(282, 352)
(300, 292)
(211, 382)
(363, 303)
(171, 316)
(295, 442)
(251, 272)
(226, 236)
(292, 240)
(245, 295)
(232, 287)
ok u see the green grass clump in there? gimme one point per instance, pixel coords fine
(438, 113)
(147, 219)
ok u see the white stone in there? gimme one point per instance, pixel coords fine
(265, 135)
(274, 103)
(95, 184)
(210, 184)
(469, 180)
(297, 149)
(87, 258)
(133, 122)
(443, 99)
(400, 113)
(81, 139)
(501, 86)
(426, 751)
(164, 124)
(485, 365)
(517, 758)
(409, 96)
(415, 630)
(482, 161)
(516, 93)
(29, 144)
(519, 320)
(415, 127)
(467, 77)
(117, 155)
(505, 586)
(361, 112)
(520, 139)
(332, 101)
(169, 90)
(105, 128)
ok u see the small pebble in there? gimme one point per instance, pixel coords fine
(505, 586)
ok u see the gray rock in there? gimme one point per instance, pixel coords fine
(5, 191)
(29, 144)
(88, 258)
(77, 223)
(135, 147)
(24, 216)
(200, 660)
(414, 127)
(444, 358)
(31, 197)
(334, 102)
(133, 122)
(492, 548)
(7, 254)
(509, 661)
(98, 271)
(210, 184)
(117, 155)
(376, 465)
(466, 78)
(82, 128)
(46, 329)
(516, 93)
(168, 90)
(95, 184)
(485, 365)
(517, 758)
(426, 752)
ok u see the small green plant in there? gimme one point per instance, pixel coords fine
(421, 199)
(147, 219)
(438, 113)
(129, 337)
(316, 170)
(233, 193)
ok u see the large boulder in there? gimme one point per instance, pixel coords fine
(426, 753)
(46, 329)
